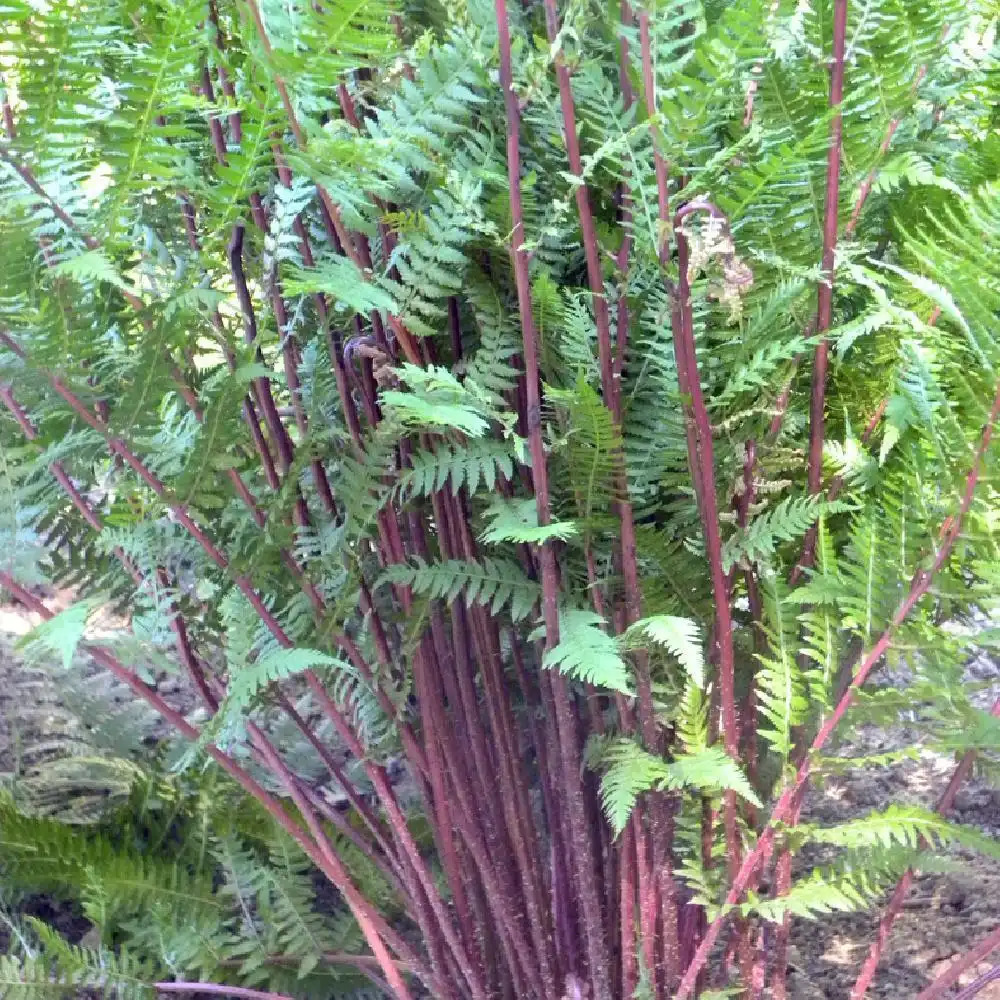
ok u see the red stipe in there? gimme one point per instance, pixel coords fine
(261, 386)
(119, 447)
(583, 858)
(783, 809)
(96, 421)
(702, 463)
(397, 822)
(178, 625)
(353, 245)
(62, 477)
(235, 121)
(372, 926)
(8, 114)
(591, 248)
(824, 309)
(783, 883)
(684, 362)
(979, 984)
(609, 381)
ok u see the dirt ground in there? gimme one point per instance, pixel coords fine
(944, 914)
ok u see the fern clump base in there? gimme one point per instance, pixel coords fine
(523, 432)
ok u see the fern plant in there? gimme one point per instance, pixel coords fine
(528, 427)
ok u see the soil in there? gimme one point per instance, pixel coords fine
(943, 916)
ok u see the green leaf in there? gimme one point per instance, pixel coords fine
(632, 771)
(680, 636)
(62, 633)
(517, 521)
(93, 265)
(438, 401)
(905, 825)
(455, 466)
(491, 581)
(340, 279)
(586, 651)
(710, 768)
(937, 293)
(788, 520)
(272, 666)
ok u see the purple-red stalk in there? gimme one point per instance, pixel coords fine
(831, 222)
(583, 863)
(702, 465)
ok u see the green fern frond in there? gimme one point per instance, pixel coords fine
(83, 973)
(907, 826)
(788, 520)
(586, 651)
(437, 400)
(517, 521)
(62, 633)
(592, 448)
(271, 667)
(680, 636)
(781, 690)
(632, 771)
(845, 888)
(854, 883)
(492, 581)
(459, 467)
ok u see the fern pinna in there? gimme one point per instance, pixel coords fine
(524, 429)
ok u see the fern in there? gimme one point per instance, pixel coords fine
(100, 973)
(63, 633)
(632, 771)
(906, 826)
(854, 884)
(680, 636)
(493, 581)
(301, 303)
(517, 521)
(592, 448)
(788, 520)
(437, 399)
(460, 467)
(273, 666)
(781, 688)
(587, 652)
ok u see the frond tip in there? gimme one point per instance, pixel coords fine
(632, 771)
(679, 636)
(587, 652)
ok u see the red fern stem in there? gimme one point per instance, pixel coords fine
(584, 862)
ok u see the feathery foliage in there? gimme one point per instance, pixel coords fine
(403, 426)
